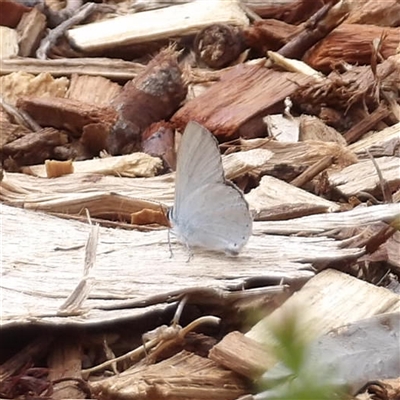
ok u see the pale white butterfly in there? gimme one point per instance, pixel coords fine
(208, 211)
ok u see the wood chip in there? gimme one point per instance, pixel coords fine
(363, 177)
(180, 20)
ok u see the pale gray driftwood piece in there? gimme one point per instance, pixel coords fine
(165, 23)
(363, 176)
(43, 257)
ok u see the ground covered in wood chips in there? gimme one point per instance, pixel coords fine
(304, 100)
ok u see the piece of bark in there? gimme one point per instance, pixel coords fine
(366, 124)
(159, 141)
(8, 43)
(221, 109)
(313, 128)
(383, 143)
(372, 12)
(11, 13)
(67, 113)
(290, 11)
(21, 84)
(174, 21)
(351, 43)
(10, 131)
(95, 90)
(154, 95)
(363, 177)
(108, 68)
(33, 148)
(243, 355)
(31, 29)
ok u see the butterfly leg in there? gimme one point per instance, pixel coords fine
(171, 254)
(190, 252)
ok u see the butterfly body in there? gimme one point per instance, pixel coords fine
(209, 211)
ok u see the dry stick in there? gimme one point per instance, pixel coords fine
(57, 32)
(73, 304)
(150, 344)
(387, 195)
(366, 124)
(312, 171)
(319, 25)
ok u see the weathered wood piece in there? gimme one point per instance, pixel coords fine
(31, 29)
(363, 177)
(372, 12)
(67, 114)
(8, 43)
(131, 165)
(174, 21)
(382, 143)
(366, 124)
(65, 362)
(95, 90)
(275, 199)
(289, 11)
(327, 298)
(351, 43)
(221, 108)
(34, 147)
(143, 279)
(242, 354)
(358, 217)
(301, 154)
(313, 128)
(183, 376)
(106, 67)
(20, 84)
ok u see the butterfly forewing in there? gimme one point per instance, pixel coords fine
(199, 162)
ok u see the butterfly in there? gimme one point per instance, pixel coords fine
(208, 211)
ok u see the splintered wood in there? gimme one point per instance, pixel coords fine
(303, 99)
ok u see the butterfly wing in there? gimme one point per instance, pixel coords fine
(217, 217)
(208, 211)
(199, 163)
